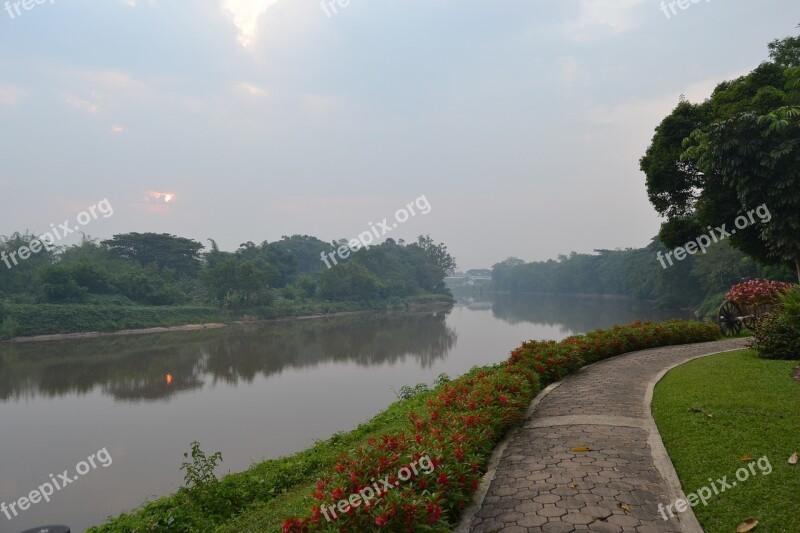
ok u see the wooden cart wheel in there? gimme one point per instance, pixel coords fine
(751, 320)
(728, 318)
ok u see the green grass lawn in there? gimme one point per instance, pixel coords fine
(754, 408)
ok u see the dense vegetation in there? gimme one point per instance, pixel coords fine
(146, 279)
(778, 334)
(712, 162)
(456, 425)
(719, 413)
(697, 281)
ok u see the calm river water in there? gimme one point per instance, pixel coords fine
(252, 392)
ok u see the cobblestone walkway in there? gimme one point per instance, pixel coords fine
(541, 485)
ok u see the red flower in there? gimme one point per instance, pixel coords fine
(434, 512)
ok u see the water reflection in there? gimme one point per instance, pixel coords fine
(134, 369)
(573, 314)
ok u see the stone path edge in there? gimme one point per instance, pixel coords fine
(659, 454)
(494, 460)
(661, 459)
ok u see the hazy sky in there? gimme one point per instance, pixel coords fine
(521, 122)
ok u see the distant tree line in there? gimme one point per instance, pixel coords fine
(708, 164)
(163, 269)
(636, 273)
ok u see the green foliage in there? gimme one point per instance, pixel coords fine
(8, 329)
(636, 273)
(162, 249)
(786, 51)
(283, 278)
(440, 380)
(47, 319)
(349, 281)
(235, 282)
(710, 306)
(778, 334)
(200, 470)
(406, 392)
(709, 163)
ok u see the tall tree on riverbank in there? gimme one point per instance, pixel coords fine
(709, 163)
(161, 249)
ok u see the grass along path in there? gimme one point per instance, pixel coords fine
(715, 411)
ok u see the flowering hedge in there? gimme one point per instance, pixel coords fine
(458, 430)
(757, 292)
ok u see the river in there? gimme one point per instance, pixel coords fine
(253, 392)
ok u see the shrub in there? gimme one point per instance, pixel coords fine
(459, 429)
(457, 432)
(777, 335)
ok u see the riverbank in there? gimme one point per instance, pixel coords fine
(48, 322)
(261, 498)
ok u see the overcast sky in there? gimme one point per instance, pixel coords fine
(521, 122)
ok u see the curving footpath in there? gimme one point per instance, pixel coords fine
(535, 481)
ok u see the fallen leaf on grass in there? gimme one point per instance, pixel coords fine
(579, 449)
(746, 457)
(747, 525)
(793, 459)
(625, 507)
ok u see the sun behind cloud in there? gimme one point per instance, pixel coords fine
(165, 197)
(245, 14)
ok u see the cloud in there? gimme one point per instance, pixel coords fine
(117, 129)
(245, 15)
(155, 202)
(10, 95)
(251, 89)
(81, 104)
(603, 17)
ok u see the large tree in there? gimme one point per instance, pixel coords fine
(162, 249)
(712, 162)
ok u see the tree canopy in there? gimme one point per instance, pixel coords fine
(711, 162)
(164, 269)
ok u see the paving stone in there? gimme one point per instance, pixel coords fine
(552, 511)
(558, 527)
(532, 521)
(540, 485)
